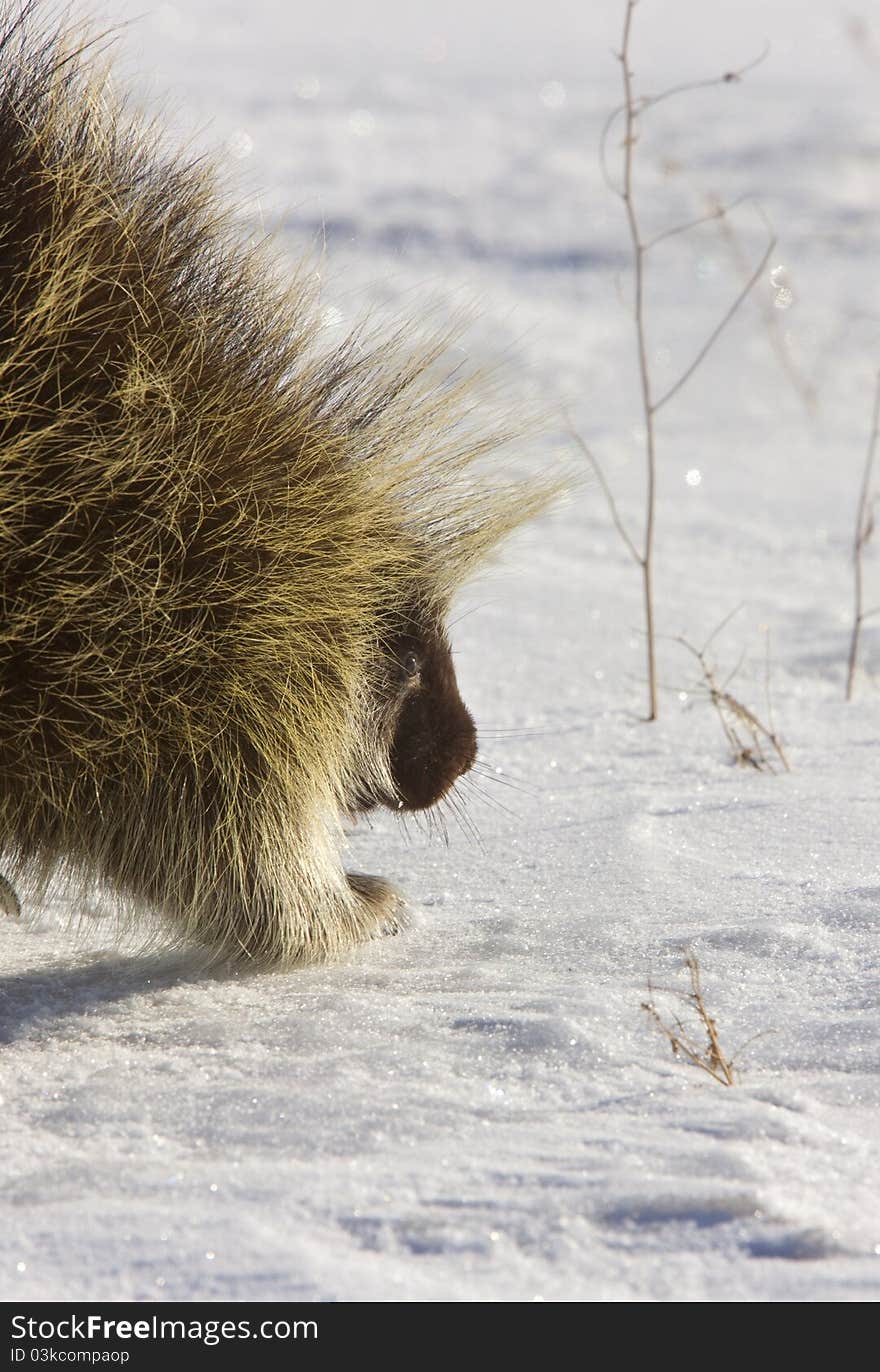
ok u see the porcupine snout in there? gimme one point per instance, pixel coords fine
(435, 741)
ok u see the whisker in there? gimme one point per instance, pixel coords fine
(465, 823)
(403, 818)
(426, 821)
(489, 774)
(466, 614)
(432, 824)
(524, 732)
(487, 799)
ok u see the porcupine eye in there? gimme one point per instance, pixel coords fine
(411, 665)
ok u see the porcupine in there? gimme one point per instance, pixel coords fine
(227, 549)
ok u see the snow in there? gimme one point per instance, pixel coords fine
(479, 1109)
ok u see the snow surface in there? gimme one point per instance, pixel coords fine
(479, 1109)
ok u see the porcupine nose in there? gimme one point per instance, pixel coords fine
(436, 743)
(469, 746)
(457, 757)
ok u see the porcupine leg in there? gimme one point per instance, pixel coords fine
(9, 901)
(383, 902)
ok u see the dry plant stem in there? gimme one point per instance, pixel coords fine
(804, 388)
(864, 530)
(638, 247)
(631, 108)
(647, 102)
(718, 211)
(719, 328)
(720, 1066)
(771, 722)
(750, 751)
(710, 1057)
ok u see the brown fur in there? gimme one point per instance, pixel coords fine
(435, 741)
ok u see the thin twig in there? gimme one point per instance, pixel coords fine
(606, 491)
(630, 136)
(747, 736)
(710, 1057)
(767, 696)
(807, 390)
(631, 108)
(648, 102)
(722, 624)
(864, 530)
(719, 212)
(719, 329)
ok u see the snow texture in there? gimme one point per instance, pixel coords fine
(479, 1109)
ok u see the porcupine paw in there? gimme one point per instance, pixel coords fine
(9, 902)
(383, 902)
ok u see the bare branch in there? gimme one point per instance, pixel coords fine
(727, 78)
(716, 332)
(647, 102)
(603, 150)
(606, 491)
(767, 697)
(642, 349)
(722, 625)
(806, 388)
(631, 108)
(863, 531)
(734, 671)
(717, 213)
